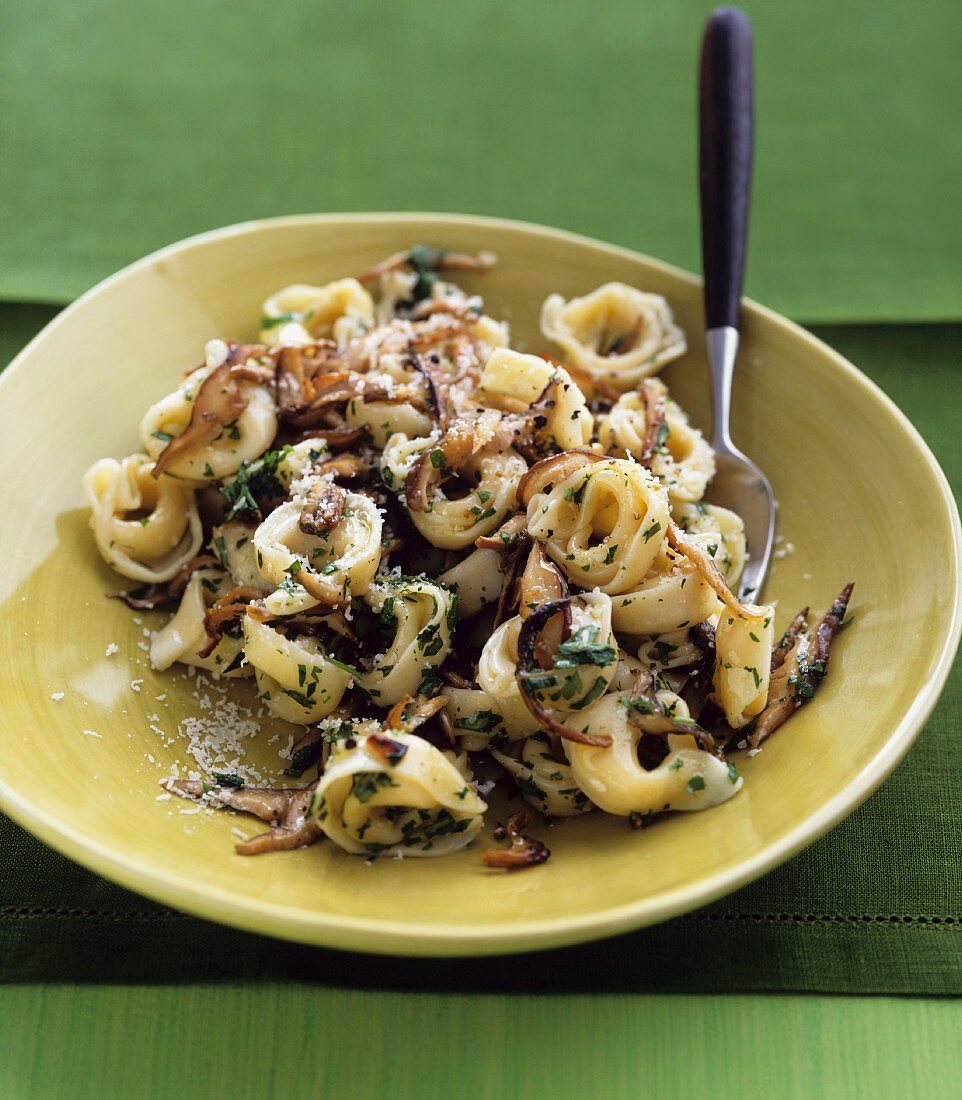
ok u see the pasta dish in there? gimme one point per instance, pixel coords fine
(449, 565)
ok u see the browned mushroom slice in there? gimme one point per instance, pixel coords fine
(337, 438)
(386, 748)
(285, 808)
(507, 536)
(653, 393)
(292, 381)
(786, 643)
(251, 372)
(525, 431)
(646, 712)
(408, 713)
(344, 466)
(704, 563)
(240, 354)
(456, 679)
(542, 581)
(439, 388)
(700, 686)
(454, 307)
(331, 389)
(298, 368)
(426, 258)
(596, 388)
(232, 606)
(524, 851)
(219, 401)
(324, 507)
(294, 829)
(512, 566)
(529, 674)
(801, 669)
(323, 590)
(149, 597)
(551, 470)
(453, 449)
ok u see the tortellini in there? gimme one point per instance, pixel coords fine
(384, 419)
(545, 782)
(339, 563)
(497, 668)
(683, 459)
(720, 531)
(743, 644)
(420, 615)
(616, 334)
(672, 596)
(145, 528)
(603, 524)
(437, 558)
(477, 717)
(477, 580)
(616, 781)
(241, 440)
(514, 382)
(396, 794)
(585, 663)
(185, 637)
(455, 523)
(294, 676)
(301, 314)
(233, 543)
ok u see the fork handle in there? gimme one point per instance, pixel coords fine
(725, 160)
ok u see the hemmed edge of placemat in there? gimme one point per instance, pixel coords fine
(874, 954)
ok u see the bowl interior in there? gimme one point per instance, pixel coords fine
(860, 498)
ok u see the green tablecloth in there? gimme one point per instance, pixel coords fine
(127, 126)
(253, 1042)
(876, 906)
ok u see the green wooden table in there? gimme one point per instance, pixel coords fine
(126, 127)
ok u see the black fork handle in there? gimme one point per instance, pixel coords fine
(725, 104)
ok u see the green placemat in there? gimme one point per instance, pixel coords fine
(129, 126)
(876, 906)
(257, 1042)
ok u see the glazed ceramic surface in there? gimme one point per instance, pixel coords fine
(860, 498)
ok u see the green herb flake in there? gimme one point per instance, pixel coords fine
(482, 721)
(366, 784)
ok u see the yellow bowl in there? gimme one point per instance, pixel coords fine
(861, 498)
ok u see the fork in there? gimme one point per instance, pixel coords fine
(725, 168)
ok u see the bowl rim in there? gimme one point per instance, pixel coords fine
(389, 937)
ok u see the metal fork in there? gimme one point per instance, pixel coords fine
(725, 168)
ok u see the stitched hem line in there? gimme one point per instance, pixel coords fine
(850, 920)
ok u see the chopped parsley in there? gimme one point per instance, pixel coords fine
(255, 482)
(365, 785)
(582, 649)
(482, 721)
(227, 779)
